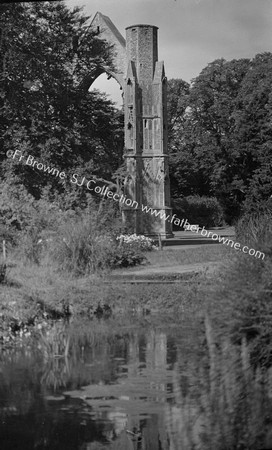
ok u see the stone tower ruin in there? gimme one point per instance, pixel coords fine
(142, 78)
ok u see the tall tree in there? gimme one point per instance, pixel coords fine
(206, 151)
(253, 130)
(49, 55)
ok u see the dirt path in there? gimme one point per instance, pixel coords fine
(173, 271)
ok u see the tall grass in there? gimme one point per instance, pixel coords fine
(242, 306)
(226, 408)
(79, 243)
(228, 405)
(80, 247)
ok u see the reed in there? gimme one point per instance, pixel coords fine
(227, 405)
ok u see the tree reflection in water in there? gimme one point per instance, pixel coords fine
(129, 384)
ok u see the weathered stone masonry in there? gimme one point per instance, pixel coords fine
(142, 78)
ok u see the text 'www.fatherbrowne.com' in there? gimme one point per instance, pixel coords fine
(104, 191)
(197, 229)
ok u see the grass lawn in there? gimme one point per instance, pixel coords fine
(184, 255)
(30, 287)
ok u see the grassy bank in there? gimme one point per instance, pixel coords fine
(227, 402)
(53, 288)
(32, 292)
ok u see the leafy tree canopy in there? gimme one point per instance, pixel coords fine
(47, 54)
(222, 144)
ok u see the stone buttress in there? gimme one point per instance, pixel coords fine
(144, 91)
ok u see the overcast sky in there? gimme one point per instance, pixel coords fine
(193, 33)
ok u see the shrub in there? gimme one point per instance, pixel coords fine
(16, 206)
(30, 248)
(87, 244)
(80, 247)
(10, 235)
(79, 241)
(44, 221)
(124, 256)
(204, 211)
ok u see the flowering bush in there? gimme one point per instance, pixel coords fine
(137, 242)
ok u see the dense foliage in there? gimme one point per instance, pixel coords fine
(49, 57)
(220, 133)
(203, 211)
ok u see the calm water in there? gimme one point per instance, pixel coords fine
(119, 386)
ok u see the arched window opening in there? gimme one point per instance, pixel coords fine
(109, 86)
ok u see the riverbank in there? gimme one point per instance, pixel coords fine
(35, 293)
(211, 278)
(221, 365)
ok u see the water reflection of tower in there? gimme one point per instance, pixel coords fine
(152, 351)
(156, 363)
(133, 354)
(147, 358)
(156, 350)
